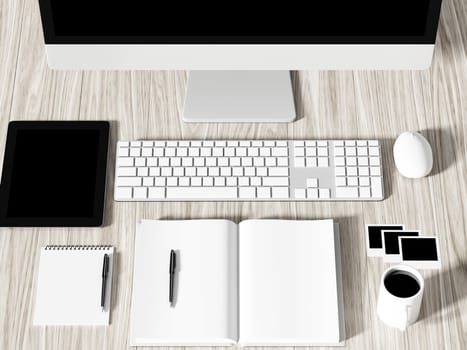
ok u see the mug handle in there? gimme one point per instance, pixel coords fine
(406, 319)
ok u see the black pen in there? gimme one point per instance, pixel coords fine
(172, 264)
(105, 273)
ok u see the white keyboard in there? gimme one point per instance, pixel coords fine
(249, 170)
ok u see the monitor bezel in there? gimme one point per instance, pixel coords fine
(51, 38)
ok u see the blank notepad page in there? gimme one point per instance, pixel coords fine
(69, 286)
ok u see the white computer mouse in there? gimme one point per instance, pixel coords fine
(413, 155)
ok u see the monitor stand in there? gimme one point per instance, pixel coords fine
(239, 96)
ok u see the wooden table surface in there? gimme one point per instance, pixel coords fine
(331, 105)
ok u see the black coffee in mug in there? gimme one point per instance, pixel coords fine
(401, 284)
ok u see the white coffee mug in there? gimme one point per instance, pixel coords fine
(399, 300)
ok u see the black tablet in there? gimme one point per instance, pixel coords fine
(54, 173)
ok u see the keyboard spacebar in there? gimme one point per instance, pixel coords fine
(201, 193)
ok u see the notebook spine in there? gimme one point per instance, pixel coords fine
(78, 247)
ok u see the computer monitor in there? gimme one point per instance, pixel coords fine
(237, 51)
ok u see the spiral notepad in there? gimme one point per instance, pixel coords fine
(69, 286)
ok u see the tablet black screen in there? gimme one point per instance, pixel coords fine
(54, 177)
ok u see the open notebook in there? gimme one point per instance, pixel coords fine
(261, 282)
(69, 286)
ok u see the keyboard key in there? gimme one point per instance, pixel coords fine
(339, 171)
(339, 151)
(263, 192)
(363, 171)
(205, 152)
(322, 152)
(146, 152)
(312, 193)
(300, 193)
(151, 162)
(226, 171)
(183, 181)
(201, 193)
(247, 192)
(231, 181)
(323, 162)
(275, 181)
(208, 181)
(243, 181)
(339, 161)
(258, 161)
(172, 181)
(363, 161)
(123, 193)
(166, 171)
(373, 151)
(312, 182)
(280, 192)
(241, 152)
(311, 151)
(277, 172)
(253, 152)
(164, 161)
(140, 192)
(148, 181)
(362, 151)
(128, 181)
(364, 181)
(159, 181)
(279, 151)
(311, 162)
(262, 171)
(299, 143)
(123, 152)
(143, 171)
(265, 152)
(235, 161)
(324, 193)
(125, 161)
(196, 181)
(375, 171)
(352, 171)
(347, 192)
(341, 181)
(135, 152)
(282, 161)
(299, 152)
(299, 162)
(140, 161)
(229, 152)
(255, 181)
(365, 192)
(126, 171)
(352, 181)
(376, 187)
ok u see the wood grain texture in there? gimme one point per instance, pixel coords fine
(147, 105)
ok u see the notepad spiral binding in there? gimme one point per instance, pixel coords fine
(78, 247)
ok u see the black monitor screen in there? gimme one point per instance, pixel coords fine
(315, 21)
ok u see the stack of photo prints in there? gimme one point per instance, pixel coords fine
(396, 244)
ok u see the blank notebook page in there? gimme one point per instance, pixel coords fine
(69, 286)
(288, 285)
